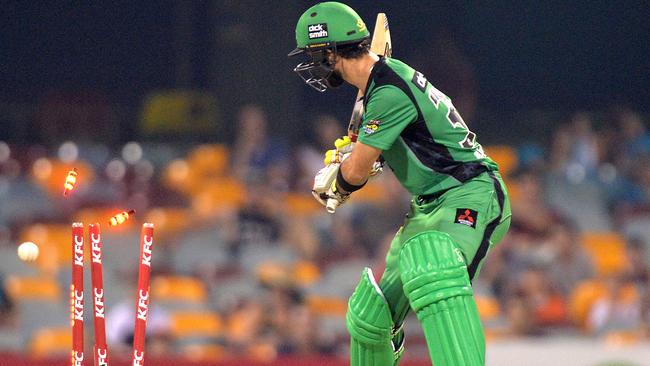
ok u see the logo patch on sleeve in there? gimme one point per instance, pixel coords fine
(317, 30)
(466, 216)
(371, 127)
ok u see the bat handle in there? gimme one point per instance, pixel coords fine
(331, 206)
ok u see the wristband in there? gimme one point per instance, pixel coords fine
(344, 185)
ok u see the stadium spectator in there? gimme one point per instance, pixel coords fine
(255, 153)
(256, 222)
(584, 144)
(6, 305)
(637, 269)
(119, 327)
(575, 150)
(323, 131)
(519, 316)
(549, 308)
(635, 139)
(530, 212)
(568, 264)
(645, 307)
(618, 310)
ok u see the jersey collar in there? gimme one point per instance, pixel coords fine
(373, 73)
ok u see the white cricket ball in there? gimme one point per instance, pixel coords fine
(28, 251)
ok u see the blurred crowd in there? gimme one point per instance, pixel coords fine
(247, 263)
(577, 257)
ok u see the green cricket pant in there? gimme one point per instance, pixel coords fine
(475, 215)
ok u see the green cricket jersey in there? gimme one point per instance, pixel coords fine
(423, 137)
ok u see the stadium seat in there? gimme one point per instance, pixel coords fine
(639, 227)
(198, 249)
(195, 323)
(372, 192)
(607, 250)
(48, 342)
(301, 273)
(243, 323)
(505, 156)
(488, 307)
(252, 255)
(178, 289)
(51, 174)
(215, 196)
(305, 273)
(623, 338)
(11, 264)
(301, 205)
(203, 352)
(273, 273)
(226, 292)
(340, 279)
(23, 200)
(332, 326)
(583, 202)
(582, 299)
(177, 176)
(34, 315)
(54, 241)
(169, 220)
(262, 351)
(10, 340)
(327, 305)
(209, 160)
(33, 288)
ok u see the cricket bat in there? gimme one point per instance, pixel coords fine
(382, 46)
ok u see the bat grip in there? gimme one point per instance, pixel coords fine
(331, 206)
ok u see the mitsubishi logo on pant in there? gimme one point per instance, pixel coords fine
(466, 216)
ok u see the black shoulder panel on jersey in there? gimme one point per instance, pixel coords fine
(381, 75)
(436, 156)
(416, 135)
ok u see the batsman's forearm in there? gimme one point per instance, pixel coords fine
(354, 174)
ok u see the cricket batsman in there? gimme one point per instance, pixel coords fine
(459, 210)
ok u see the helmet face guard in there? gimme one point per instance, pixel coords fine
(319, 72)
(319, 31)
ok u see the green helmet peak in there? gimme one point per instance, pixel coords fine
(328, 24)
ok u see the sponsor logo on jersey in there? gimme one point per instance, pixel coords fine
(466, 216)
(420, 81)
(371, 127)
(317, 30)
